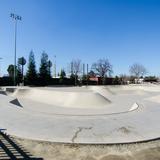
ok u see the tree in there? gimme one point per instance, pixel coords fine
(10, 70)
(73, 79)
(151, 79)
(44, 70)
(49, 65)
(116, 80)
(76, 68)
(101, 68)
(124, 79)
(137, 70)
(19, 76)
(62, 74)
(31, 75)
(22, 62)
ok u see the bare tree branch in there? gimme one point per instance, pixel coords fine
(76, 66)
(102, 67)
(137, 70)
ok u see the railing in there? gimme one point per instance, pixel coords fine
(11, 150)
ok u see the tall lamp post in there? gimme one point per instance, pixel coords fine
(0, 66)
(15, 18)
(55, 67)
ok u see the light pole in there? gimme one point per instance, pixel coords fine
(15, 18)
(55, 67)
(0, 66)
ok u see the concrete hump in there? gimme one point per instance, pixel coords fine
(16, 102)
(134, 107)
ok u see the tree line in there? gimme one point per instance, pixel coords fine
(102, 69)
(32, 75)
(43, 76)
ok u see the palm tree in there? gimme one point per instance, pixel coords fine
(22, 62)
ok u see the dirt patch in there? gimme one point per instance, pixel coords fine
(148, 154)
(57, 151)
(115, 157)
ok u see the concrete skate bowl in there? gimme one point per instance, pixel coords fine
(72, 102)
(90, 115)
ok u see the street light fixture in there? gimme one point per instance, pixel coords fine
(15, 18)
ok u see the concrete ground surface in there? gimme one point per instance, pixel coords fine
(90, 115)
(87, 122)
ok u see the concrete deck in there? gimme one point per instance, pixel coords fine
(91, 115)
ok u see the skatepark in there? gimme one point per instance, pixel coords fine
(83, 115)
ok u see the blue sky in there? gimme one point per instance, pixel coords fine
(124, 31)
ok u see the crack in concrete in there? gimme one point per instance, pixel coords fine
(80, 129)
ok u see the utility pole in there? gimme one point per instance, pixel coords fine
(83, 69)
(71, 68)
(87, 75)
(55, 66)
(15, 18)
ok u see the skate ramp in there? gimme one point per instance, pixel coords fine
(3, 92)
(69, 99)
(74, 101)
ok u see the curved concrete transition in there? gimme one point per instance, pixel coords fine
(91, 115)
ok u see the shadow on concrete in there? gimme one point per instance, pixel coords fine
(16, 102)
(10, 150)
(3, 92)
